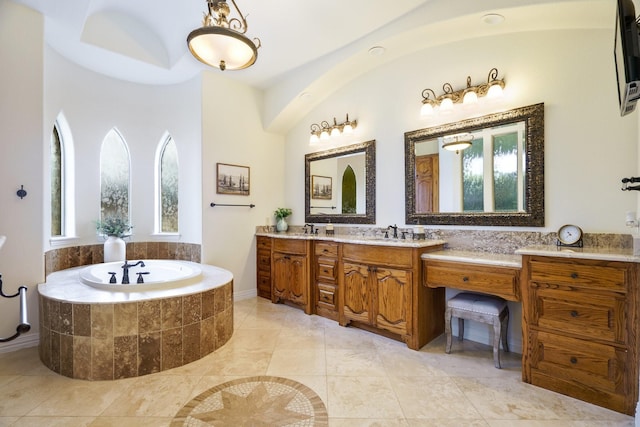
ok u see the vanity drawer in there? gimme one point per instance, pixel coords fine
(264, 260)
(592, 315)
(326, 249)
(263, 243)
(500, 281)
(586, 370)
(327, 295)
(264, 284)
(290, 246)
(382, 255)
(326, 269)
(598, 275)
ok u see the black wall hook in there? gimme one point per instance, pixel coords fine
(627, 187)
(22, 193)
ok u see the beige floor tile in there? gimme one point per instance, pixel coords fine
(366, 422)
(298, 362)
(432, 398)
(7, 421)
(294, 339)
(81, 398)
(355, 362)
(54, 422)
(235, 361)
(560, 423)
(362, 397)
(24, 393)
(153, 396)
(254, 339)
(131, 422)
(447, 423)
(317, 383)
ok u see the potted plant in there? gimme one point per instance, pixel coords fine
(115, 228)
(281, 214)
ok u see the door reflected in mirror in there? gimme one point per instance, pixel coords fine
(340, 185)
(496, 180)
(487, 176)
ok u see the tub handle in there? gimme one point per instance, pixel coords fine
(140, 279)
(113, 277)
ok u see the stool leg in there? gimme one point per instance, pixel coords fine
(460, 328)
(447, 330)
(497, 334)
(505, 325)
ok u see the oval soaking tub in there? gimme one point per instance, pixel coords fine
(156, 274)
(96, 333)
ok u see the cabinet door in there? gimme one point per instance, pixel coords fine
(297, 270)
(357, 295)
(280, 276)
(393, 291)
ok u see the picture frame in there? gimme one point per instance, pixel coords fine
(321, 187)
(232, 179)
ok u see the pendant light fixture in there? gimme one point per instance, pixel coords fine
(221, 41)
(457, 142)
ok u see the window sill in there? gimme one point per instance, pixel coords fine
(56, 242)
(172, 237)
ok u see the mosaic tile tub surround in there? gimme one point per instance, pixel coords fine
(130, 339)
(106, 341)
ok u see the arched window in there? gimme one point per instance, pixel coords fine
(114, 177)
(61, 180)
(167, 172)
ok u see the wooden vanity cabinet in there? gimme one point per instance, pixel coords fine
(580, 323)
(380, 288)
(290, 272)
(325, 267)
(263, 267)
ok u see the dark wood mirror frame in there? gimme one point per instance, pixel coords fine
(533, 116)
(369, 217)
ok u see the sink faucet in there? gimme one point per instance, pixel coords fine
(395, 230)
(125, 273)
(308, 225)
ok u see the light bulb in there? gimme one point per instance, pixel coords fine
(427, 109)
(495, 92)
(446, 106)
(335, 132)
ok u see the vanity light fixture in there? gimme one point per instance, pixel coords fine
(324, 130)
(457, 142)
(221, 42)
(467, 96)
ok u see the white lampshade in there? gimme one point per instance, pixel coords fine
(335, 132)
(427, 109)
(446, 106)
(348, 129)
(470, 98)
(324, 135)
(314, 138)
(495, 92)
(222, 48)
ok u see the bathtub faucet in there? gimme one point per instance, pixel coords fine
(125, 272)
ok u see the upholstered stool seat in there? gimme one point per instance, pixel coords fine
(480, 308)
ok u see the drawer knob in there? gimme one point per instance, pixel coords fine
(573, 360)
(465, 279)
(574, 313)
(574, 275)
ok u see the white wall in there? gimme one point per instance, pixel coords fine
(93, 104)
(21, 87)
(233, 133)
(589, 148)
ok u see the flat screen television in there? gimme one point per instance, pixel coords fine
(627, 56)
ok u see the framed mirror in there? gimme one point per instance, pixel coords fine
(340, 185)
(485, 171)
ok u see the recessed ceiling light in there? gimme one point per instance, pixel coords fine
(493, 19)
(376, 51)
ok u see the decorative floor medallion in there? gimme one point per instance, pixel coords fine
(254, 401)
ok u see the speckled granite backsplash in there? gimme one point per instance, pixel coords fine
(496, 241)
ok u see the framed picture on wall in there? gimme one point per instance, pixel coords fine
(321, 187)
(232, 179)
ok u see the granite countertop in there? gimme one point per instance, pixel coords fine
(593, 252)
(475, 257)
(363, 240)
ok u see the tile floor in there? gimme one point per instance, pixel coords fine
(364, 380)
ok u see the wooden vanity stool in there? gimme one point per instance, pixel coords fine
(480, 308)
